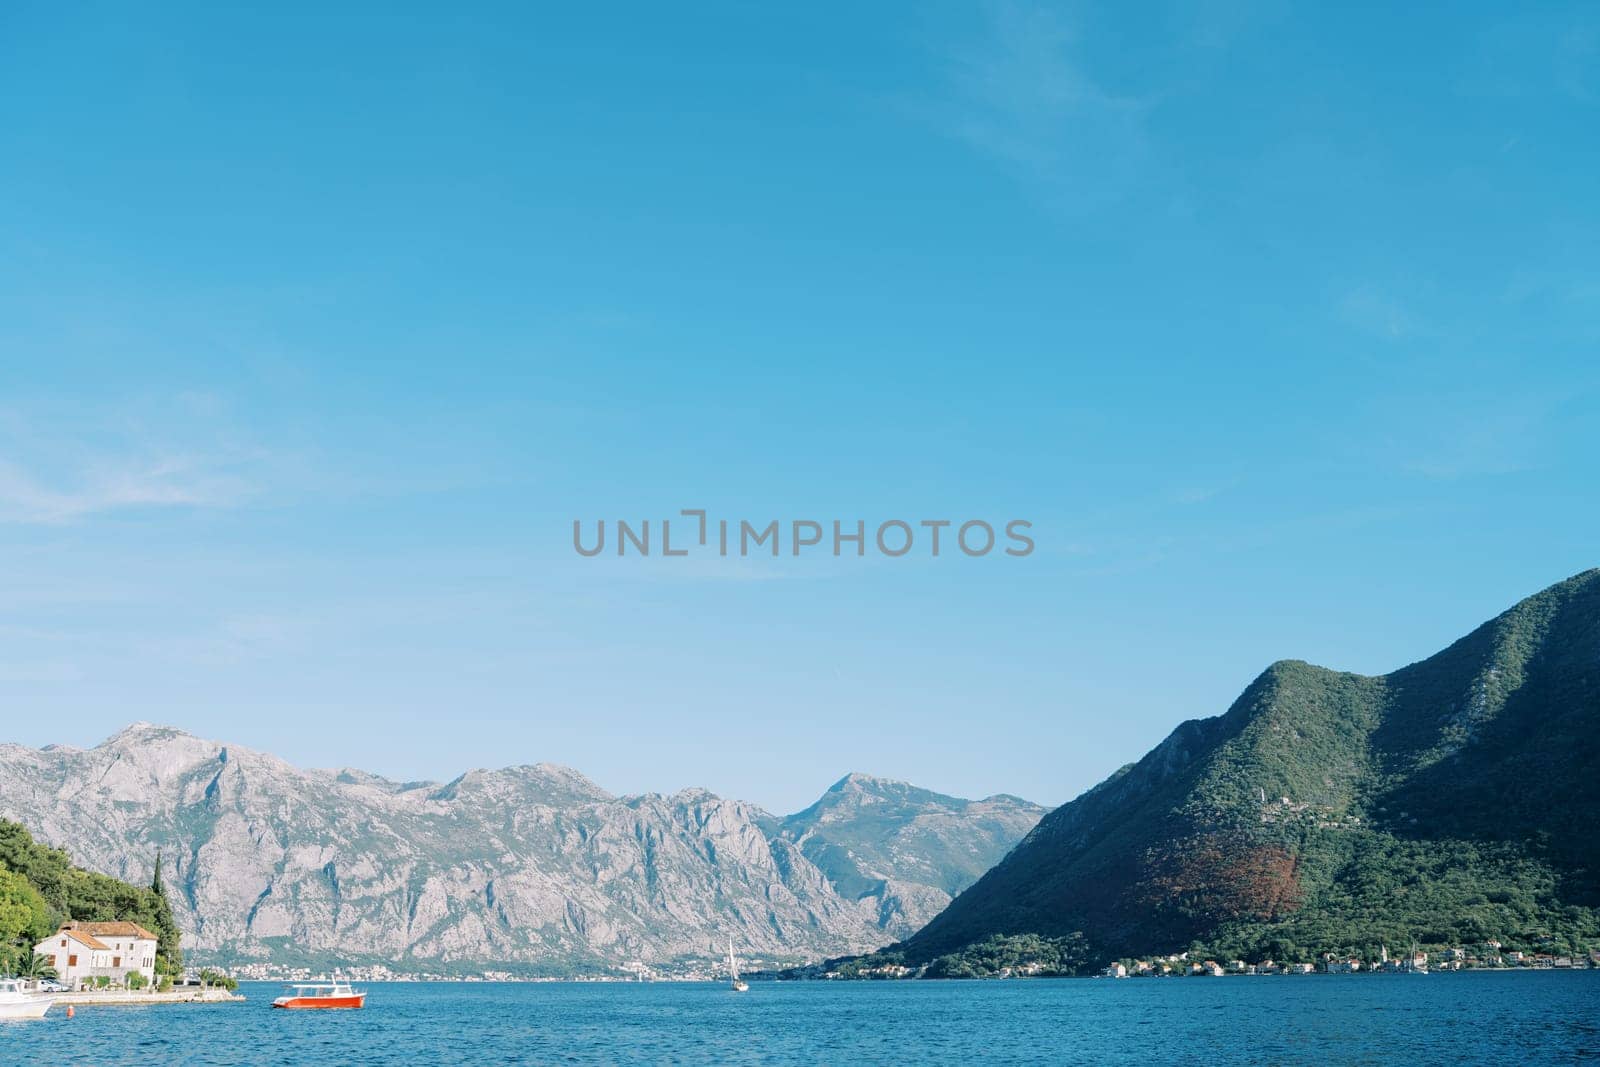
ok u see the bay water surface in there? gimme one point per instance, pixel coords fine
(1472, 1017)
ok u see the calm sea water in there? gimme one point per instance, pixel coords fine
(1545, 1017)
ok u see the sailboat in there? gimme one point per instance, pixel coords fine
(1416, 961)
(737, 984)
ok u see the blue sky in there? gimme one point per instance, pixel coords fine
(317, 332)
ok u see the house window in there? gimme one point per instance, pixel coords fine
(72, 961)
(116, 961)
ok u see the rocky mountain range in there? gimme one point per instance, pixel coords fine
(530, 869)
(1455, 801)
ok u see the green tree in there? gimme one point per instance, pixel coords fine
(32, 965)
(169, 959)
(210, 977)
(71, 892)
(24, 913)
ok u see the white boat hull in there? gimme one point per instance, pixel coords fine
(25, 1007)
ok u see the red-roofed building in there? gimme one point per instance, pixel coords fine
(82, 952)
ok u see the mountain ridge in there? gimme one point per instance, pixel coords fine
(531, 867)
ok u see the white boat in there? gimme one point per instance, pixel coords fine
(17, 1003)
(737, 984)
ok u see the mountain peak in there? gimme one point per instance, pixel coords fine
(142, 730)
(1581, 579)
(895, 795)
(858, 780)
(1582, 585)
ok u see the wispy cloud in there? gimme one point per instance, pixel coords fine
(1019, 93)
(1492, 443)
(57, 470)
(1380, 314)
(231, 640)
(1195, 494)
(1469, 434)
(37, 672)
(167, 482)
(1575, 60)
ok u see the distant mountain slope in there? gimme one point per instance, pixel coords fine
(909, 849)
(1454, 800)
(529, 868)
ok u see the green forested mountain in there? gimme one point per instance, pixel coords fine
(40, 888)
(1453, 801)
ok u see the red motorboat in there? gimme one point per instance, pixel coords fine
(335, 994)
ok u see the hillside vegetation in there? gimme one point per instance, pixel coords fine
(1452, 801)
(40, 889)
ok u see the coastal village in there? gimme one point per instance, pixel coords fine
(704, 970)
(121, 956)
(1488, 956)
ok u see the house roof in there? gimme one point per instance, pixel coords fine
(83, 938)
(112, 929)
